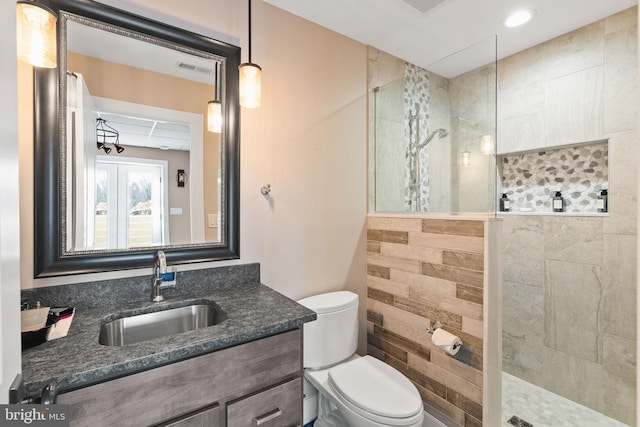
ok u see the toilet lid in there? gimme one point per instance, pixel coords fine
(330, 302)
(376, 387)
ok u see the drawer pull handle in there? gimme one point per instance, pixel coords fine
(267, 417)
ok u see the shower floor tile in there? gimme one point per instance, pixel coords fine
(543, 408)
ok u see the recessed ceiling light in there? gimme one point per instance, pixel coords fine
(519, 17)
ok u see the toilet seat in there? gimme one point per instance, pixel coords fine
(376, 391)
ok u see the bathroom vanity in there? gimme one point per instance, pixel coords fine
(243, 370)
(257, 383)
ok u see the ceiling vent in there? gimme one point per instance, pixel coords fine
(423, 6)
(191, 67)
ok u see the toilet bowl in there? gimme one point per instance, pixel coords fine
(364, 391)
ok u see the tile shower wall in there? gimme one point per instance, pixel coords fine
(419, 271)
(570, 282)
(530, 180)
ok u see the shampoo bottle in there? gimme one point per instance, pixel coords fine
(505, 203)
(602, 202)
(558, 202)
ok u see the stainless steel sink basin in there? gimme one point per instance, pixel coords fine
(142, 327)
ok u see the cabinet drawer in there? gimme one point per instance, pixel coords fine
(279, 406)
(209, 416)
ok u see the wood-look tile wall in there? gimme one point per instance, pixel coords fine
(419, 271)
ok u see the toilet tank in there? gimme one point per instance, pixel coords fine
(333, 337)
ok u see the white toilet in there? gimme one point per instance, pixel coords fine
(365, 391)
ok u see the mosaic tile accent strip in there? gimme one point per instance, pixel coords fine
(530, 180)
(416, 128)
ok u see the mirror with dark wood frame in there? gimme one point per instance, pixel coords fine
(85, 202)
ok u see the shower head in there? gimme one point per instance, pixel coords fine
(442, 133)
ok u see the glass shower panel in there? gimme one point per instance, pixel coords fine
(435, 135)
(389, 148)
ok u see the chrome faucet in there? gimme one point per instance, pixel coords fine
(159, 270)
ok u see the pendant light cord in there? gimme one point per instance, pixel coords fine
(216, 87)
(249, 31)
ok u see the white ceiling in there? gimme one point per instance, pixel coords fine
(108, 46)
(149, 133)
(117, 48)
(400, 28)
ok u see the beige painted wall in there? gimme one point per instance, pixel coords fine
(308, 140)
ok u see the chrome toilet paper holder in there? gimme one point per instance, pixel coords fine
(438, 325)
(435, 326)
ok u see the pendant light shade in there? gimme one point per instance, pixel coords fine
(466, 159)
(36, 28)
(250, 85)
(214, 116)
(487, 145)
(250, 78)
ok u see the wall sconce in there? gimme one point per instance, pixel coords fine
(250, 78)
(181, 177)
(36, 34)
(466, 159)
(214, 110)
(486, 145)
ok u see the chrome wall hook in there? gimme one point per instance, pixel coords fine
(266, 189)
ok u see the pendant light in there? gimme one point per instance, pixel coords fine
(486, 144)
(36, 34)
(250, 78)
(466, 159)
(214, 109)
(104, 134)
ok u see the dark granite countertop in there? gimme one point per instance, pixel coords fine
(253, 311)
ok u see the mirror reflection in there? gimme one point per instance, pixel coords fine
(142, 169)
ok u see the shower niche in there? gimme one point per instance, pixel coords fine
(531, 179)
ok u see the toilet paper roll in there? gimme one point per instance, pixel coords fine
(446, 341)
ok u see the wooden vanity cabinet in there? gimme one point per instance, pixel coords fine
(257, 383)
(271, 408)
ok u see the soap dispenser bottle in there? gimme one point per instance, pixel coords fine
(505, 203)
(602, 202)
(558, 202)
